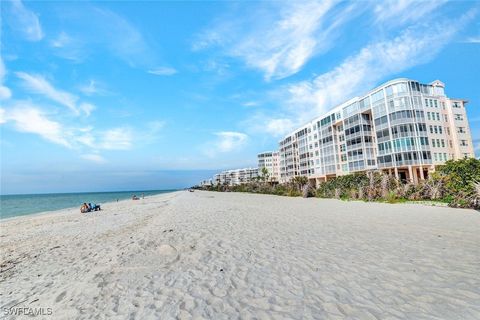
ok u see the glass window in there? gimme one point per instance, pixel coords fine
(377, 96)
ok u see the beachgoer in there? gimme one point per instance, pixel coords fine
(143, 195)
(84, 208)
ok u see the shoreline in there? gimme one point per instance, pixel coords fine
(59, 211)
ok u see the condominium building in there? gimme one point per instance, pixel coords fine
(403, 127)
(235, 177)
(206, 183)
(271, 161)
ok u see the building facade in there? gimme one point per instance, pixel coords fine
(402, 127)
(235, 176)
(271, 161)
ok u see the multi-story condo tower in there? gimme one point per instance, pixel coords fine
(271, 161)
(402, 127)
(235, 176)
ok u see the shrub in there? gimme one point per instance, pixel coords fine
(456, 183)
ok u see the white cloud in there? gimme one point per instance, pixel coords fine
(3, 118)
(5, 92)
(25, 21)
(396, 12)
(28, 118)
(116, 139)
(276, 126)
(38, 84)
(86, 137)
(279, 40)
(62, 40)
(89, 89)
(250, 104)
(68, 47)
(94, 30)
(360, 72)
(94, 158)
(121, 37)
(226, 141)
(93, 87)
(87, 108)
(473, 40)
(163, 71)
(229, 140)
(279, 127)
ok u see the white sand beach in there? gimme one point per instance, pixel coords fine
(207, 255)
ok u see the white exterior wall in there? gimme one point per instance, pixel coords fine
(235, 177)
(271, 161)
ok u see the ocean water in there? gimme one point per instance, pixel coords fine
(25, 204)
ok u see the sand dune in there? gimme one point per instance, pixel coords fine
(230, 255)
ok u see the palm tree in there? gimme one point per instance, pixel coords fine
(265, 174)
(300, 182)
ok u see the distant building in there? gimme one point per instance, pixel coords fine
(206, 183)
(402, 127)
(271, 161)
(235, 176)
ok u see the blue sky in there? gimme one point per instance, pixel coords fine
(124, 95)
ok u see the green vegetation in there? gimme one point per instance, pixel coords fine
(456, 183)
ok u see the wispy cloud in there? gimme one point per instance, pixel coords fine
(226, 141)
(61, 40)
(392, 13)
(101, 29)
(24, 21)
(473, 40)
(94, 158)
(93, 87)
(68, 47)
(28, 118)
(39, 85)
(305, 100)
(250, 104)
(229, 140)
(87, 108)
(275, 126)
(5, 92)
(279, 40)
(163, 71)
(116, 139)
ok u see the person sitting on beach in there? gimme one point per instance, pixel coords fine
(84, 208)
(134, 197)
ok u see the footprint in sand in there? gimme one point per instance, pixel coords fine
(167, 254)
